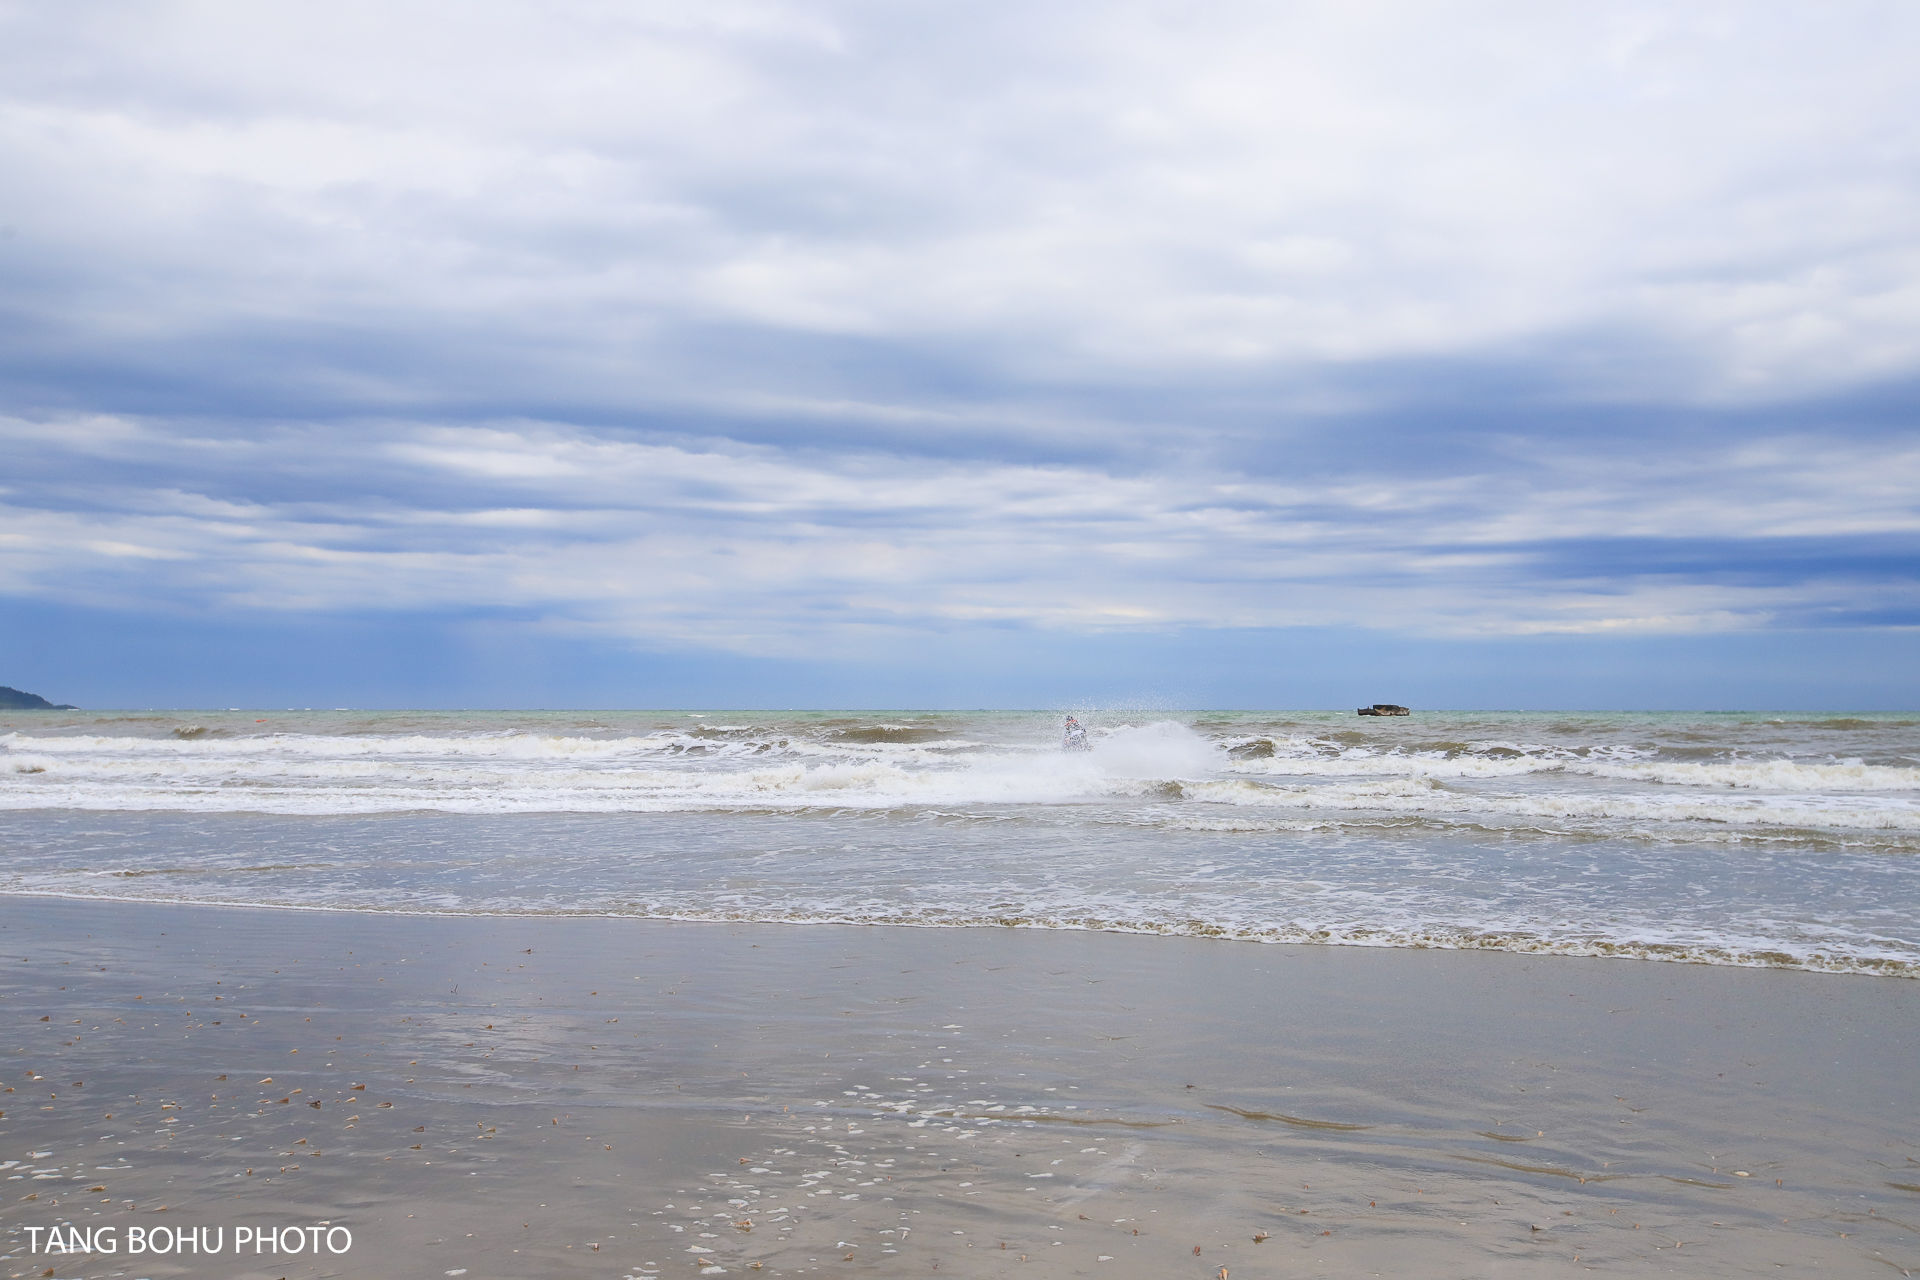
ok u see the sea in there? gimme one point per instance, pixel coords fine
(1749, 839)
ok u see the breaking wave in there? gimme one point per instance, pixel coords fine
(1771, 841)
(1666, 791)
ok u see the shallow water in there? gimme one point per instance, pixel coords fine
(1749, 839)
(513, 1096)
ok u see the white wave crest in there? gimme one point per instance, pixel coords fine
(1598, 787)
(1774, 775)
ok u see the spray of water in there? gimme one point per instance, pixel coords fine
(1162, 749)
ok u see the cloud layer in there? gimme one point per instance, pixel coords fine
(750, 547)
(1081, 193)
(727, 324)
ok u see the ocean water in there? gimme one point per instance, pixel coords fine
(1787, 840)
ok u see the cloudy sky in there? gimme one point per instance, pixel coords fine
(602, 354)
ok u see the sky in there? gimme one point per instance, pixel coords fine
(933, 354)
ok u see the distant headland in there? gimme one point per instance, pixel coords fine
(15, 700)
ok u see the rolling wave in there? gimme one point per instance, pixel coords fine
(1657, 790)
(1750, 840)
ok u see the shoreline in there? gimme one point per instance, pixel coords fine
(587, 1084)
(1547, 949)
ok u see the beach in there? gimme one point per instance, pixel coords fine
(505, 1096)
(1146, 641)
(629, 994)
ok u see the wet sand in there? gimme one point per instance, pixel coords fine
(616, 1097)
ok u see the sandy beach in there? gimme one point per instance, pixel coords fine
(1148, 642)
(532, 1096)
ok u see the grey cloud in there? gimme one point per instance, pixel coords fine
(747, 547)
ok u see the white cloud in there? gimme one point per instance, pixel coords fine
(1058, 316)
(1090, 190)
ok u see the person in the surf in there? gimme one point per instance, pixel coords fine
(1076, 737)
